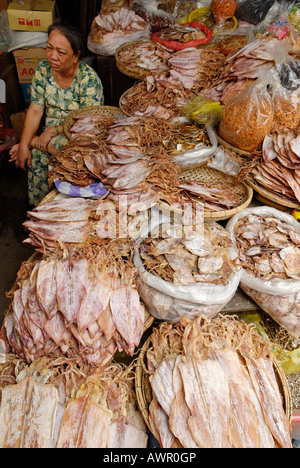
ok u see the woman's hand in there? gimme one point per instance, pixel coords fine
(44, 139)
(22, 157)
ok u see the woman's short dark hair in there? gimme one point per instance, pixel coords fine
(70, 32)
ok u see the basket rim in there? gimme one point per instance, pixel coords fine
(144, 407)
(134, 72)
(272, 198)
(69, 120)
(216, 215)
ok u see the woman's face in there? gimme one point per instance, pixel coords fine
(59, 52)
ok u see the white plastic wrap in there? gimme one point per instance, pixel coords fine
(110, 48)
(274, 287)
(278, 298)
(169, 302)
(199, 154)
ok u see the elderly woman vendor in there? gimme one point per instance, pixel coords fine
(61, 84)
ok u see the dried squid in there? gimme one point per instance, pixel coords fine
(213, 385)
(56, 403)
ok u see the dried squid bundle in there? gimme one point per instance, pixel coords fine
(56, 403)
(268, 242)
(72, 307)
(215, 387)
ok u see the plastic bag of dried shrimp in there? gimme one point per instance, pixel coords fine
(248, 115)
(187, 271)
(268, 242)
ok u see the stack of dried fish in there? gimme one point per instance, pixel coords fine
(187, 270)
(109, 31)
(79, 161)
(84, 306)
(213, 385)
(67, 220)
(146, 57)
(269, 250)
(213, 197)
(56, 404)
(246, 65)
(90, 124)
(196, 68)
(193, 257)
(279, 170)
(160, 96)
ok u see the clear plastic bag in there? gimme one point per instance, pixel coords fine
(255, 11)
(248, 116)
(222, 10)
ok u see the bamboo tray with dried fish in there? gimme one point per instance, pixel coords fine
(85, 112)
(141, 58)
(240, 193)
(269, 198)
(225, 339)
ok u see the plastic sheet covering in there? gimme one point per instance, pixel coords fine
(255, 11)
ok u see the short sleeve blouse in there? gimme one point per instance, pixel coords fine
(86, 90)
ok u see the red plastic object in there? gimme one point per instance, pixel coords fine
(176, 45)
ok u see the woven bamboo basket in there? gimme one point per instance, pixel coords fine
(138, 73)
(232, 148)
(100, 110)
(210, 175)
(144, 393)
(123, 97)
(269, 198)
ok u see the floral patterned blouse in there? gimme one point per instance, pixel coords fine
(86, 90)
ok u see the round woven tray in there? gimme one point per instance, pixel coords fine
(268, 197)
(100, 110)
(138, 73)
(124, 95)
(232, 148)
(144, 393)
(210, 175)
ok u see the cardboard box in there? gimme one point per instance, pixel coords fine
(30, 15)
(27, 61)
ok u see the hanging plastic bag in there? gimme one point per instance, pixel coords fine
(248, 116)
(255, 11)
(286, 102)
(203, 111)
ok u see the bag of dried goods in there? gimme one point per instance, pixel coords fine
(248, 116)
(187, 271)
(268, 242)
(222, 10)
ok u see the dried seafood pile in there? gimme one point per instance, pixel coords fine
(213, 197)
(213, 385)
(160, 96)
(85, 307)
(90, 124)
(187, 270)
(193, 257)
(279, 170)
(145, 57)
(78, 162)
(56, 404)
(268, 243)
(268, 247)
(58, 222)
(109, 31)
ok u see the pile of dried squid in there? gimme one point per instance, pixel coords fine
(213, 385)
(54, 403)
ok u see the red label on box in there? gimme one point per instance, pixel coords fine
(21, 21)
